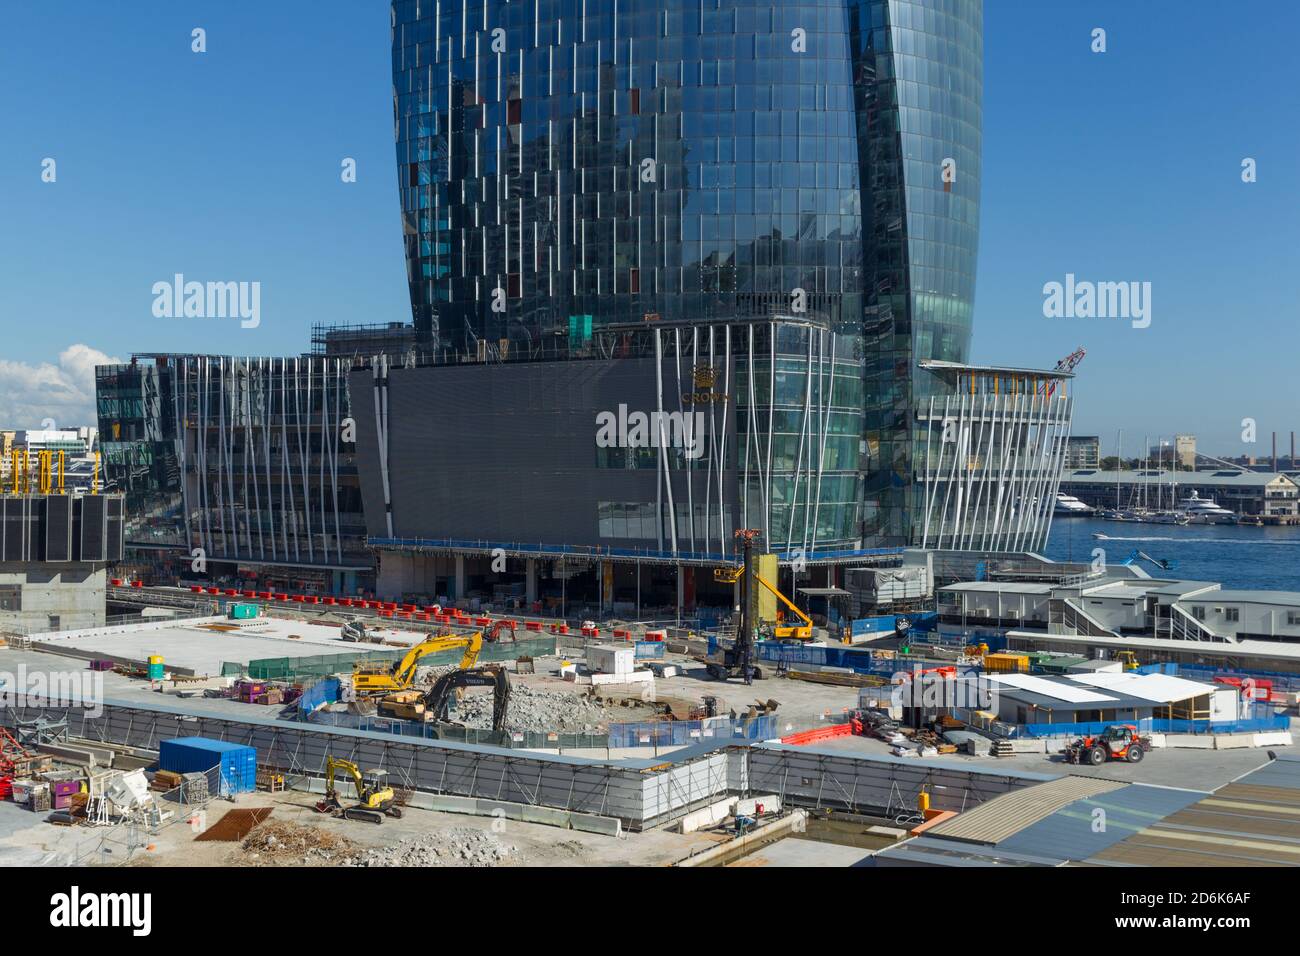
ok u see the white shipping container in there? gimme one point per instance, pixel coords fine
(606, 659)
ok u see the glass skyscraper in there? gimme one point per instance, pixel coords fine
(572, 165)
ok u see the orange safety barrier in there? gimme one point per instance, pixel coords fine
(137, 584)
(934, 818)
(818, 733)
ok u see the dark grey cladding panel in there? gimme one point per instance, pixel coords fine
(508, 452)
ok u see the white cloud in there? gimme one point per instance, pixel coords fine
(65, 392)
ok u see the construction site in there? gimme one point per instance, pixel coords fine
(207, 725)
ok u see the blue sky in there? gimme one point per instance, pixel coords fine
(1118, 166)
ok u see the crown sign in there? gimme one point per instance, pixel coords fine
(705, 376)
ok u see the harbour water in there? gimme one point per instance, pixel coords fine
(1241, 557)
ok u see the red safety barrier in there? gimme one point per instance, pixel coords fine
(193, 587)
(818, 733)
(331, 601)
(532, 625)
(264, 595)
(281, 597)
(425, 616)
(482, 621)
(564, 629)
(137, 584)
(346, 602)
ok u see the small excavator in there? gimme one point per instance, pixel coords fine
(369, 680)
(435, 703)
(375, 798)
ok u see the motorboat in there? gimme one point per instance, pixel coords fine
(1204, 511)
(1068, 506)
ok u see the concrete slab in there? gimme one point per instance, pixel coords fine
(796, 852)
(200, 646)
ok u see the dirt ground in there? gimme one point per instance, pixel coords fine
(306, 838)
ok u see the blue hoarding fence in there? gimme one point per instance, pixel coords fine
(859, 661)
(1161, 725)
(648, 650)
(1280, 681)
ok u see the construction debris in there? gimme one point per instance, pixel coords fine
(534, 710)
(461, 846)
(280, 843)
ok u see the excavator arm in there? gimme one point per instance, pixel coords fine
(367, 680)
(437, 701)
(333, 766)
(731, 574)
(804, 631)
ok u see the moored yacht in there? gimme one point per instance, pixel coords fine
(1068, 506)
(1204, 511)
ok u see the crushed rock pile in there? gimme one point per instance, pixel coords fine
(533, 709)
(460, 846)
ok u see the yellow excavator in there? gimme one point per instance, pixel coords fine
(782, 632)
(368, 680)
(375, 798)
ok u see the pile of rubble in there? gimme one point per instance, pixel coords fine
(280, 843)
(533, 709)
(461, 846)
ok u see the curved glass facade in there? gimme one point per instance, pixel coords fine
(572, 165)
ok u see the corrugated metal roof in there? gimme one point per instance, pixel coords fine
(1254, 821)
(998, 819)
(1056, 687)
(923, 851)
(1282, 772)
(1158, 688)
(1077, 831)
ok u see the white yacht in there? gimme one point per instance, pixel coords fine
(1204, 511)
(1068, 506)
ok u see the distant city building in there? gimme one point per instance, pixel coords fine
(1082, 451)
(54, 552)
(248, 460)
(1182, 449)
(70, 441)
(1242, 492)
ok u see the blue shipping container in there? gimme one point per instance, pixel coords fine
(238, 762)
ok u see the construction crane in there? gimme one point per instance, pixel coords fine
(797, 632)
(369, 679)
(738, 660)
(375, 798)
(1067, 364)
